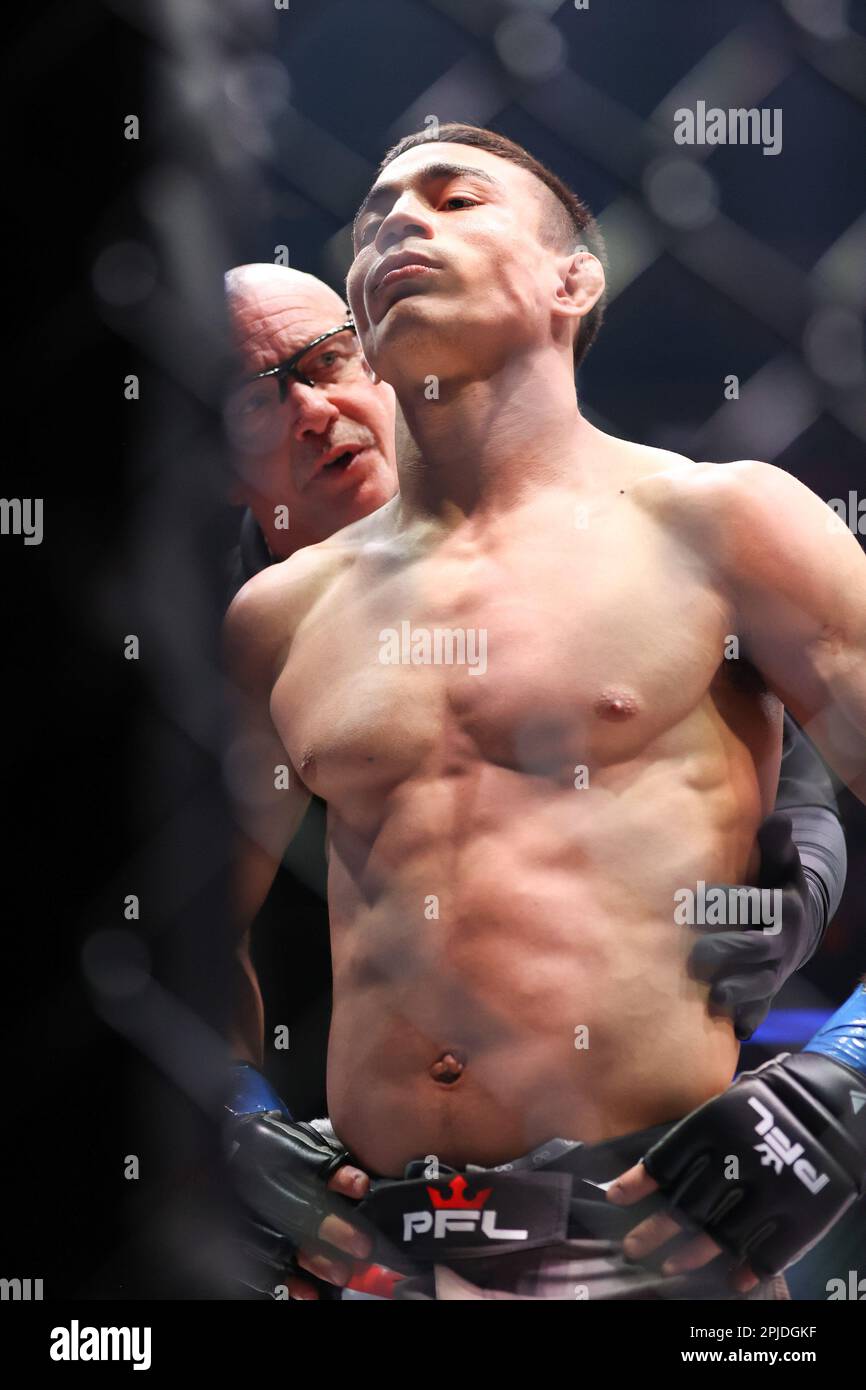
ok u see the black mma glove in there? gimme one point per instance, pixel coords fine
(279, 1168)
(797, 1127)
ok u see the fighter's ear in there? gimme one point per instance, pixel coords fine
(580, 283)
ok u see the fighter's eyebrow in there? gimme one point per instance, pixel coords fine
(381, 192)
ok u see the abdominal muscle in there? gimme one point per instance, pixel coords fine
(524, 979)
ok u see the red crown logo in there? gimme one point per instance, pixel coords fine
(458, 1186)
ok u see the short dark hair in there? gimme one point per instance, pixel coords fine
(570, 221)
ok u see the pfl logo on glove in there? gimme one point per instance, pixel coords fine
(778, 1150)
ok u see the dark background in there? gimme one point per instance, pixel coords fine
(262, 128)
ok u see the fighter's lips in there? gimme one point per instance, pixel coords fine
(401, 267)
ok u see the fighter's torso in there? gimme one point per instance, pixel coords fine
(529, 737)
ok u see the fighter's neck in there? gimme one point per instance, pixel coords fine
(481, 444)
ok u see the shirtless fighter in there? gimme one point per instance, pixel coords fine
(506, 833)
(314, 449)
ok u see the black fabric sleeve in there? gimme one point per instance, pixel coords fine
(804, 780)
(807, 795)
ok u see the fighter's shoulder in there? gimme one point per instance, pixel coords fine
(717, 498)
(265, 613)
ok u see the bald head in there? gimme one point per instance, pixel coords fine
(280, 465)
(273, 310)
(263, 278)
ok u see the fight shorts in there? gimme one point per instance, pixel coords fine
(538, 1227)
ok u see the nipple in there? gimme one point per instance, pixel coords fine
(616, 705)
(447, 1069)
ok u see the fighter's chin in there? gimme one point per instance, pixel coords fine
(410, 344)
(405, 309)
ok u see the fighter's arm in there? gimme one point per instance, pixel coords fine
(797, 582)
(798, 588)
(268, 797)
(292, 1180)
(750, 509)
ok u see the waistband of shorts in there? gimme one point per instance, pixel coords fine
(599, 1162)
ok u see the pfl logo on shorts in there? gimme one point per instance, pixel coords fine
(457, 1213)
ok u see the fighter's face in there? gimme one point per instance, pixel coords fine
(449, 267)
(294, 455)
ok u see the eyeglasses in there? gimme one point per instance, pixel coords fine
(253, 407)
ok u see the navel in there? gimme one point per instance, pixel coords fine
(448, 1068)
